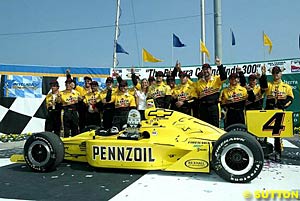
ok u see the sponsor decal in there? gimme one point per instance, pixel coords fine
(196, 164)
(160, 113)
(128, 154)
(154, 132)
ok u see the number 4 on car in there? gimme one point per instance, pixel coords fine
(270, 123)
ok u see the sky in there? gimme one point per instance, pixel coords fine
(81, 33)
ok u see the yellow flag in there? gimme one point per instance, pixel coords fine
(147, 57)
(268, 42)
(204, 49)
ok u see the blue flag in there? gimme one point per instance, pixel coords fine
(119, 49)
(232, 38)
(177, 42)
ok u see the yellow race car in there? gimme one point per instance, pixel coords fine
(167, 140)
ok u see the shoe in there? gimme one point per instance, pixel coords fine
(135, 135)
(123, 135)
(114, 130)
(275, 156)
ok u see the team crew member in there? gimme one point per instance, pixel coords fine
(258, 92)
(108, 106)
(53, 118)
(233, 99)
(141, 98)
(135, 80)
(93, 103)
(208, 90)
(81, 107)
(151, 81)
(160, 92)
(279, 96)
(69, 99)
(185, 95)
(124, 102)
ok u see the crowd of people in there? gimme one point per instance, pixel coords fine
(76, 108)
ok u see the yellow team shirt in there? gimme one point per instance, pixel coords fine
(257, 93)
(233, 94)
(92, 98)
(123, 100)
(104, 92)
(82, 90)
(185, 92)
(159, 90)
(69, 98)
(279, 90)
(213, 86)
(51, 100)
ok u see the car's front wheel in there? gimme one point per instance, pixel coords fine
(237, 157)
(43, 152)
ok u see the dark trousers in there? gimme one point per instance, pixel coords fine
(234, 116)
(82, 115)
(71, 121)
(142, 112)
(108, 115)
(93, 119)
(120, 118)
(53, 121)
(277, 145)
(210, 114)
(185, 110)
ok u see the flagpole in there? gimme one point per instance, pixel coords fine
(172, 50)
(203, 29)
(231, 53)
(116, 35)
(263, 33)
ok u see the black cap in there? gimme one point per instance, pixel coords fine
(123, 83)
(170, 79)
(109, 79)
(159, 73)
(276, 69)
(183, 74)
(233, 75)
(87, 78)
(69, 80)
(252, 77)
(95, 83)
(54, 83)
(206, 65)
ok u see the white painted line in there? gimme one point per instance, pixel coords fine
(285, 143)
(5, 162)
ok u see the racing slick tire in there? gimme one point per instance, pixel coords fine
(43, 152)
(237, 157)
(236, 127)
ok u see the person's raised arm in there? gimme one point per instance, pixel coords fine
(222, 73)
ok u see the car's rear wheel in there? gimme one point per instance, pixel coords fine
(237, 157)
(43, 152)
(236, 127)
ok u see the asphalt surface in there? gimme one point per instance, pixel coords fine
(79, 181)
